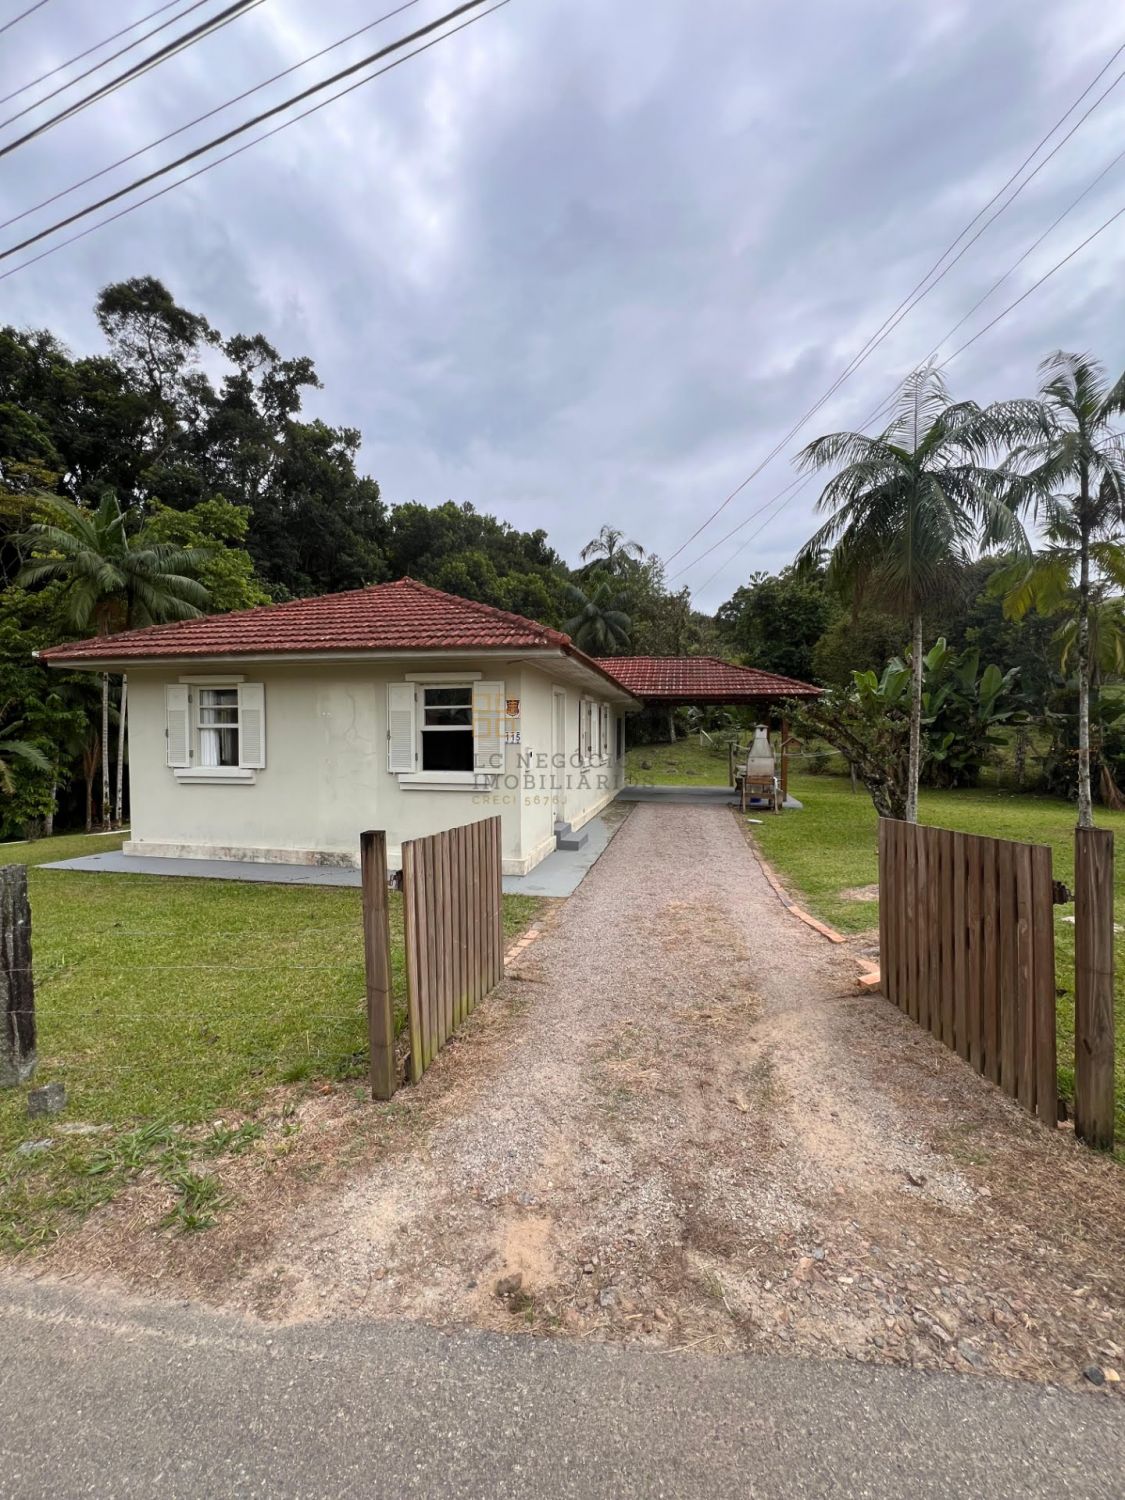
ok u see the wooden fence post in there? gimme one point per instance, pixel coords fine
(17, 983)
(377, 962)
(1093, 986)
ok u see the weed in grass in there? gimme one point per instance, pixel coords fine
(136, 1149)
(230, 1140)
(201, 1198)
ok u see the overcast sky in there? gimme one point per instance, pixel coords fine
(588, 261)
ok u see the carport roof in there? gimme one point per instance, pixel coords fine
(700, 679)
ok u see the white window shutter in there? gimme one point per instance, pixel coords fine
(488, 726)
(603, 716)
(401, 734)
(252, 725)
(177, 723)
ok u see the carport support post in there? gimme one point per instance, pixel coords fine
(377, 962)
(671, 724)
(784, 761)
(17, 983)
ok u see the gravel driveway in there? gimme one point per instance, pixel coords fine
(676, 1122)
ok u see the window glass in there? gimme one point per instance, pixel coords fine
(218, 726)
(447, 728)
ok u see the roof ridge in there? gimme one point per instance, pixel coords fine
(492, 610)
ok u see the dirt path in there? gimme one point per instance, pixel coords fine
(677, 1122)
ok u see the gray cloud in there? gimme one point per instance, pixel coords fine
(588, 263)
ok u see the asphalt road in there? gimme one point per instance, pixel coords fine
(113, 1398)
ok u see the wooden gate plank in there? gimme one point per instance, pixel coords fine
(960, 1039)
(1024, 994)
(414, 980)
(918, 978)
(891, 906)
(974, 969)
(990, 940)
(884, 908)
(1043, 947)
(496, 913)
(946, 932)
(1009, 981)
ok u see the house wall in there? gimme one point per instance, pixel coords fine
(326, 776)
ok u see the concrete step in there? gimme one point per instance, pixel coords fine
(566, 838)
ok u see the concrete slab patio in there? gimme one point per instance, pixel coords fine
(559, 875)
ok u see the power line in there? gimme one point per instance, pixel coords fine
(889, 401)
(1069, 256)
(23, 15)
(784, 497)
(916, 292)
(687, 567)
(237, 130)
(78, 56)
(1035, 285)
(277, 129)
(218, 109)
(121, 51)
(173, 48)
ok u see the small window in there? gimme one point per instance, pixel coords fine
(447, 728)
(218, 726)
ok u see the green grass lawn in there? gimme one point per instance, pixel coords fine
(830, 848)
(686, 763)
(162, 1003)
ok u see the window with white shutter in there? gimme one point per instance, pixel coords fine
(177, 723)
(401, 732)
(252, 726)
(586, 730)
(489, 708)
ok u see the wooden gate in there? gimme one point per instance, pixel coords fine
(452, 931)
(967, 949)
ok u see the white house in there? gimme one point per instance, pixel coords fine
(280, 733)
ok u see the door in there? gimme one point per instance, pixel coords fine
(558, 754)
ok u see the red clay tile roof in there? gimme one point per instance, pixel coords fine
(699, 679)
(402, 616)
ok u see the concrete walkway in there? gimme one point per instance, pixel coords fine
(135, 1400)
(559, 875)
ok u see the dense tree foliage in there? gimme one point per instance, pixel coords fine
(776, 622)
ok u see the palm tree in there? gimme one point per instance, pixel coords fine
(600, 625)
(23, 750)
(610, 548)
(114, 582)
(1068, 468)
(908, 508)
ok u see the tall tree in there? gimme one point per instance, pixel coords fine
(775, 622)
(1068, 468)
(908, 507)
(113, 582)
(610, 548)
(599, 624)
